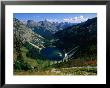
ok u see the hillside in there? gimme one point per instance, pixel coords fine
(26, 34)
(83, 35)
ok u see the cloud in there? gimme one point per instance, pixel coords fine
(76, 19)
(52, 20)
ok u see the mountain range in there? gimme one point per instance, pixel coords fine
(46, 28)
(62, 35)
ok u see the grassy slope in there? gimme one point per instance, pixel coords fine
(64, 68)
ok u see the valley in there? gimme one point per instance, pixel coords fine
(51, 48)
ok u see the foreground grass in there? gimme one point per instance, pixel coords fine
(61, 71)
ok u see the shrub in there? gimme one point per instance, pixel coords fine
(21, 65)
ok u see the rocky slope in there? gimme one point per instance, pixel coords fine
(25, 34)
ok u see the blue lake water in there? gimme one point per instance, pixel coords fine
(53, 53)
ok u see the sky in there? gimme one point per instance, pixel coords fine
(55, 17)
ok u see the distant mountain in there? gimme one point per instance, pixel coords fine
(25, 34)
(83, 34)
(46, 28)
